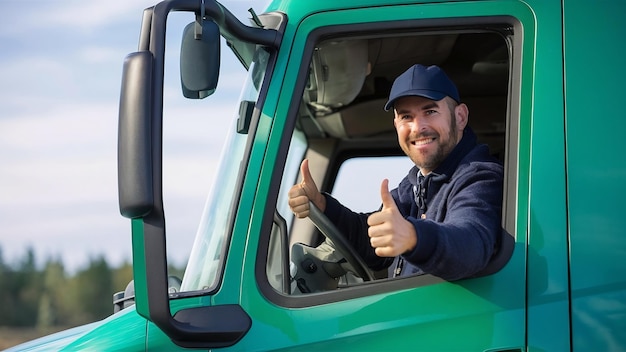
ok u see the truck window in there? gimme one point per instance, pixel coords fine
(351, 143)
(368, 171)
(207, 257)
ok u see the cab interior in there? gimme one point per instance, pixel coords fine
(341, 117)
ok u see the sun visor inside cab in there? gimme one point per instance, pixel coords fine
(338, 70)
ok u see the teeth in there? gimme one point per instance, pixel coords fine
(423, 141)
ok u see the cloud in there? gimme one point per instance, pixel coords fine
(101, 54)
(42, 15)
(61, 65)
(25, 80)
(59, 180)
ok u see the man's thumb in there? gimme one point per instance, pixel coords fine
(307, 183)
(385, 195)
(305, 173)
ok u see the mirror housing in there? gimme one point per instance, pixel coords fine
(200, 58)
(134, 163)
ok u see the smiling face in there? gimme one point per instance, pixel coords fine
(428, 130)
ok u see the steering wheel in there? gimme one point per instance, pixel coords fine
(332, 233)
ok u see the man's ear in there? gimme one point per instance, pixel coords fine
(461, 113)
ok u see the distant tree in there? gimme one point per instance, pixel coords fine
(53, 308)
(48, 298)
(46, 316)
(6, 296)
(94, 290)
(122, 275)
(27, 284)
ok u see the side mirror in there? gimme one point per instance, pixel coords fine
(200, 59)
(135, 185)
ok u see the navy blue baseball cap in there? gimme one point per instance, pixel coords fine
(428, 82)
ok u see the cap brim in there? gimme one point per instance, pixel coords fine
(428, 94)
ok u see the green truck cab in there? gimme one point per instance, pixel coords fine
(537, 76)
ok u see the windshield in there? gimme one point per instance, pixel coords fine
(206, 260)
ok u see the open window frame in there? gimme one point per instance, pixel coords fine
(276, 238)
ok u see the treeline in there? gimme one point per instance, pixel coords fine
(46, 297)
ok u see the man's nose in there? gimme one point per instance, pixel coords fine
(416, 124)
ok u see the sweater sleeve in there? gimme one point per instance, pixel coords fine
(461, 240)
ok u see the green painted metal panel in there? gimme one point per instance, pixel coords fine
(483, 313)
(157, 341)
(125, 330)
(594, 64)
(547, 280)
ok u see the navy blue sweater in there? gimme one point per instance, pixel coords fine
(463, 216)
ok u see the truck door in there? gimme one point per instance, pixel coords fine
(330, 111)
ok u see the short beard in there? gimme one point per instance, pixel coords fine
(443, 150)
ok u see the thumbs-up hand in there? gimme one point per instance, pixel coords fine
(305, 191)
(390, 233)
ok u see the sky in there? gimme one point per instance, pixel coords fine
(60, 75)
